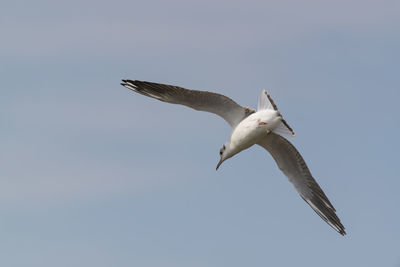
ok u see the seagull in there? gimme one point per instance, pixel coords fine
(264, 127)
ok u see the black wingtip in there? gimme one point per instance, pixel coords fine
(131, 81)
(342, 232)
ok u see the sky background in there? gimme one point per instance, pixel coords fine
(93, 174)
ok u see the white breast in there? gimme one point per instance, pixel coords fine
(249, 131)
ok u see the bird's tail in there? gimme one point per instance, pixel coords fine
(265, 102)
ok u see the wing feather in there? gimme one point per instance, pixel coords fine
(221, 105)
(294, 167)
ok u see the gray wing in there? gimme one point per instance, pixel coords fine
(293, 166)
(215, 103)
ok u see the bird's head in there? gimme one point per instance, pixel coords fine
(224, 154)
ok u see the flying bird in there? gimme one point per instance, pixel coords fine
(264, 127)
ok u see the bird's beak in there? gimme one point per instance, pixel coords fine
(219, 163)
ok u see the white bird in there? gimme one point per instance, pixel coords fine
(264, 128)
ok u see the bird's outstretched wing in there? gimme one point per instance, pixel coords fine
(293, 166)
(215, 103)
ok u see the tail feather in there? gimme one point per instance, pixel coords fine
(265, 101)
(284, 129)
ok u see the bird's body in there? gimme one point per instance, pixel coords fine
(253, 128)
(266, 128)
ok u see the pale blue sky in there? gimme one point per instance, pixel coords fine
(95, 175)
